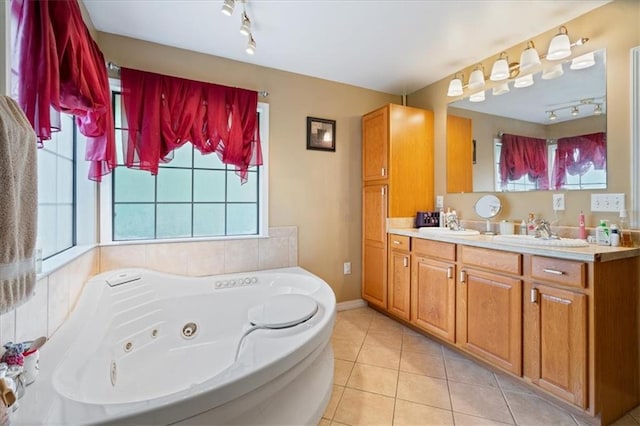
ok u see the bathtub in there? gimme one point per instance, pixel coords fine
(144, 347)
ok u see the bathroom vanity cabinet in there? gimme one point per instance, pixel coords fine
(564, 321)
(397, 178)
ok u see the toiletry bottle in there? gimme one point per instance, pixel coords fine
(441, 220)
(615, 235)
(523, 228)
(582, 231)
(531, 225)
(602, 234)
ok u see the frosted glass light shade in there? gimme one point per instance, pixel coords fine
(455, 87)
(501, 89)
(583, 61)
(500, 70)
(227, 7)
(476, 79)
(529, 59)
(524, 81)
(552, 72)
(477, 97)
(560, 46)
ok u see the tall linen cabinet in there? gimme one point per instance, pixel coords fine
(397, 181)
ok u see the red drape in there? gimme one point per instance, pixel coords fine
(61, 67)
(165, 112)
(576, 155)
(522, 155)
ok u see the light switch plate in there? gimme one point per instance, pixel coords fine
(439, 201)
(607, 202)
(558, 202)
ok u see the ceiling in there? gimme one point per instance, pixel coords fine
(393, 46)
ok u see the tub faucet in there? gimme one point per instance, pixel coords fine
(543, 230)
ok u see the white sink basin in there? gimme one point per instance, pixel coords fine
(446, 231)
(530, 240)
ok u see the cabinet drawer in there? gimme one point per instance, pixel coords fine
(399, 242)
(559, 271)
(432, 248)
(500, 261)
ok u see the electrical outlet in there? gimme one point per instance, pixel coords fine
(439, 201)
(558, 202)
(346, 268)
(607, 202)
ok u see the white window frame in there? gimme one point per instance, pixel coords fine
(106, 194)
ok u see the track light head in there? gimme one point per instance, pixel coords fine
(251, 45)
(227, 7)
(245, 26)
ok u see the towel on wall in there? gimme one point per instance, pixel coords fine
(18, 205)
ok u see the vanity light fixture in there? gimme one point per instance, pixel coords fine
(500, 69)
(560, 46)
(227, 7)
(476, 79)
(501, 89)
(583, 61)
(455, 86)
(529, 58)
(552, 72)
(524, 81)
(477, 97)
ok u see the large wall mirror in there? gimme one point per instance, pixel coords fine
(550, 135)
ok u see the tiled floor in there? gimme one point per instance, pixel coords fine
(387, 374)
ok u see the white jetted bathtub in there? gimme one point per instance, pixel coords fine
(149, 348)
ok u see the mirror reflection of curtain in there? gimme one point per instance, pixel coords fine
(576, 155)
(523, 155)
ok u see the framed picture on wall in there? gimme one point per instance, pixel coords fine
(321, 134)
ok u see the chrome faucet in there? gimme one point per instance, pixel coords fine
(543, 230)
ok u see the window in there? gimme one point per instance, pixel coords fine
(522, 184)
(192, 196)
(56, 194)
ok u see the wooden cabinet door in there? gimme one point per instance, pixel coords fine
(374, 247)
(459, 154)
(433, 290)
(399, 282)
(489, 318)
(375, 145)
(559, 335)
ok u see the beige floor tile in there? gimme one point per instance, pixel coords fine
(363, 408)
(324, 422)
(510, 384)
(636, 412)
(479, 401)
(333, 402)
(384, 324)
(627, 420)
(389, 340)
(345, 330)
(380, 356)
(410, 332)
(334, 423)
(410, 414)
(341, 371)
(467, 371)
(345, 349)
(531, 410)
(467, 420)
(421, 363)
(451, 353)
(423, 390)
(374, 379)
(584, 420)
(421, 344)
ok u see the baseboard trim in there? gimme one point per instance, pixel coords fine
(351, 304)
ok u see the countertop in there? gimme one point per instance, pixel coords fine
(592, 253)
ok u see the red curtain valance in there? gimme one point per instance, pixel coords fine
(61, 67)
(522, 155)
(576, 155)
(164, 112)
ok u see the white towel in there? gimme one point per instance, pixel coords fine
(18, 205)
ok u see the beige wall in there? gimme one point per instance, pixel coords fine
(4, 47)
(615, 27)
(319, 192)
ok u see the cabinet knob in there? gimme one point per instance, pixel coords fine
(534, 295)
(450, 272)
(382, 172)
(463, 277)
(405, 260)
(396, 242)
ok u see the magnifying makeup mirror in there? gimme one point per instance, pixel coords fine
(488, 207)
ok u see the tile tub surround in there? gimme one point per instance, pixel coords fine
(199, 258)
(431, 385)
(55, 297)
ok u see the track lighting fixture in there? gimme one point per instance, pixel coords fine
(245, 26)
(227, 7)
(559, 48)
(575, 108)
(251, 45)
